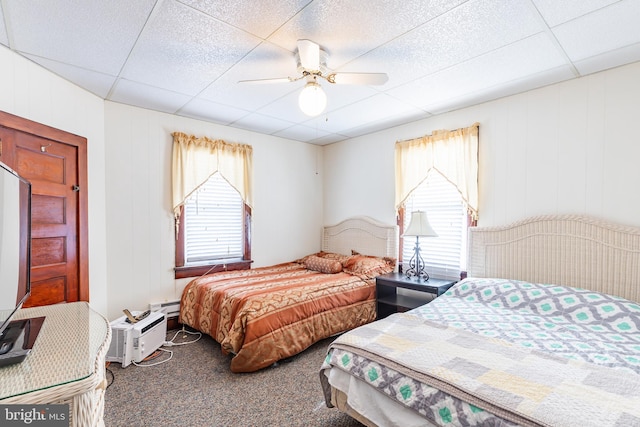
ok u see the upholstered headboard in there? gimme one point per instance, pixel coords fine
(568, 250)
(362, 234)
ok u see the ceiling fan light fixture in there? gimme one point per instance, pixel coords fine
(312, 99)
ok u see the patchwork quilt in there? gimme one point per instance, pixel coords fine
(503, 352)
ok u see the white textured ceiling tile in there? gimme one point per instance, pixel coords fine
(465, 32)
(377, 110)
(211, 111)
(4, 39)
(389, 122)
(532, 55)
(140, 95)
(556, 12)
(97, 83)
(302, 133)
(198, 47)
(613, 27)
(256, 17)
(260, 123)
(347, 29)
(264, 62)
(286, 107)
(96, 35)
(609, 59)
(506, 89)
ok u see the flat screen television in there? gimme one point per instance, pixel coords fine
(16, 336)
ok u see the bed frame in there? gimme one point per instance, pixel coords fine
(571, 250)
(362, 234)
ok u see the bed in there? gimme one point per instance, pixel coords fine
(263, 315)
(545, 331)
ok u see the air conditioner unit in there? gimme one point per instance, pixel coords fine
(133, 342)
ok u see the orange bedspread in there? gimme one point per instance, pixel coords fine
(267, 314)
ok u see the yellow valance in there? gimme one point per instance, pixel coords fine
(196, 159)
(452, 153)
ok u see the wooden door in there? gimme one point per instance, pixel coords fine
(55, 164)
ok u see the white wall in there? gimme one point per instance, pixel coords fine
(571, 147)
(287, 210)
(29, 91)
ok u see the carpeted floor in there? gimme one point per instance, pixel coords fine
(196, 388)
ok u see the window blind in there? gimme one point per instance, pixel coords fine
(444, 255)
(214, 223)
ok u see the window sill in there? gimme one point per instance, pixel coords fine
(200, 270)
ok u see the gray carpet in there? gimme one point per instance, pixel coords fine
(196, 388)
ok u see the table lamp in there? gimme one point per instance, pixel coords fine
(419, 227)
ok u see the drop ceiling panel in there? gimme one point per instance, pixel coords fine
(212, 111)
(376, 110)
(141, 95)
(297, 132)
(263, 124)
(97, 83)
(611, 28)
(4, 39)
(96, 35)
(260, 18)
(557, 12)
(265, 61)
(350, 28)
(186, 49)
(516, 61)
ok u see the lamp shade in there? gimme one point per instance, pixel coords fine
(312, 99)
(419, 226)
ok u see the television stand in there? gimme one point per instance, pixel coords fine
(66, 364)
(17, 340)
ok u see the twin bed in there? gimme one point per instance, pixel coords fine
(267, 314)
(501, 349)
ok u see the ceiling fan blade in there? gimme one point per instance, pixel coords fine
(358, 78)
(267, 81)
(309, 53)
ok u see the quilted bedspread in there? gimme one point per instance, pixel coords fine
(501, 352)
(263, 315)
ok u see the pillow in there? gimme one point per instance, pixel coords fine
(328, 255)
(368, 267)
(323, 265)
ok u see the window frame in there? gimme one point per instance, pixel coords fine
(183, 271)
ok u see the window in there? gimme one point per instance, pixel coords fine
(213, 223)
(445, 255)
(211, 199)
(213, 230)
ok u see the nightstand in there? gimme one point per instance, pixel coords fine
(388, 300)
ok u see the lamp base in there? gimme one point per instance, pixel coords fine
(423, 275)
(416, 265)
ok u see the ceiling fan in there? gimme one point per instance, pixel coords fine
(312, 65)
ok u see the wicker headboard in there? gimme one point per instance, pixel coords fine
(362, 234)
(560, 249)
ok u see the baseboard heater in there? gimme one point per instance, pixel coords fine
(169, 308)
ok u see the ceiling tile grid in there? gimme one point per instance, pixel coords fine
(186, 57)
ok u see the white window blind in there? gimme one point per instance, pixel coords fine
(445, 255)
(213, 223)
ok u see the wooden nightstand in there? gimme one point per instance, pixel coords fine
(388, 300)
